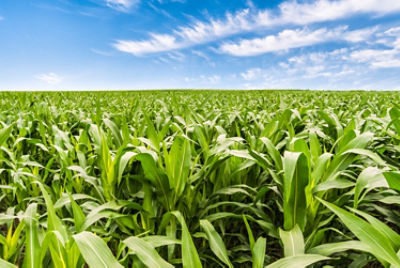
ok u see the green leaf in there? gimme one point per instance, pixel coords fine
(332, 248)
(123, 162)
(258, 252)
(79, 216)
(115, 131)
(298, 261)
(32, 244)
(338, 183)
(6, 264)
(376, 158)
(293, 241)
(393, 179)
(380, 244)
(249, 232)
(190, 257)
(95, 251)
(368, 179)
(5, 133)
(395, 116)
(320, 168)
(296, 178)
(159, 240)
(146, 253)
(53, 222)
(216, 243)
(382, 227)
(178, 164)
(273, 152)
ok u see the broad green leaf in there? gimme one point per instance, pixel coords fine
(393, 179)
(190, 257)
(338, 183)
(158, 240)
(273, 152)
(395, 116)
(296, 178)
(379, 243)
(95, 251)
(53, 221)
(293, 241)
(115, 131)
(6, 264)
(123, 162)
(32, 244)
(79, 216)
(320, 168)
(332, 248)
(368, 179)
(382, 227)
(258, 252)
(216, 243)
(298, 261)
(5, 133)
(178, 164)
(155, 175)
(376, 158)
(146, 253)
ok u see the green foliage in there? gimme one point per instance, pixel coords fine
(200, 179)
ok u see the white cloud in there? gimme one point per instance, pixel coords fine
(382, 58)
(176, 56)
(284, 40)
(287, 13)
(166, 1)
(288, 39)
(213, 79)
(204, 56)
(251, 74)
(204, 80)
(201, 54)
(50, 78)
(329, 66)
(293, 12)
(359, 35)
(157, 43)
(101, 52)
(387, 58)
(121, 5)
(185, 36)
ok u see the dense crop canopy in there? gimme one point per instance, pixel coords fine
(200, 179)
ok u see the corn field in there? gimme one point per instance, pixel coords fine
(200, 179)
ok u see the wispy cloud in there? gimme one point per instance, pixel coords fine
(176, 56)
(203, 55)
(204, 80)
(252, 74)
(288, 39)
(101, 52)
(50, 78)
(387, 58)
(174, 1)
(382, 58)
(329, 69)
(121, 5)
(157, 43)
(246, 20)
(326, 10)
(185, 36)
(1, 18)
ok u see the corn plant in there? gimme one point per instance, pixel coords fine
(200, 179)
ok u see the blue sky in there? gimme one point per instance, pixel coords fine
(155, 44)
